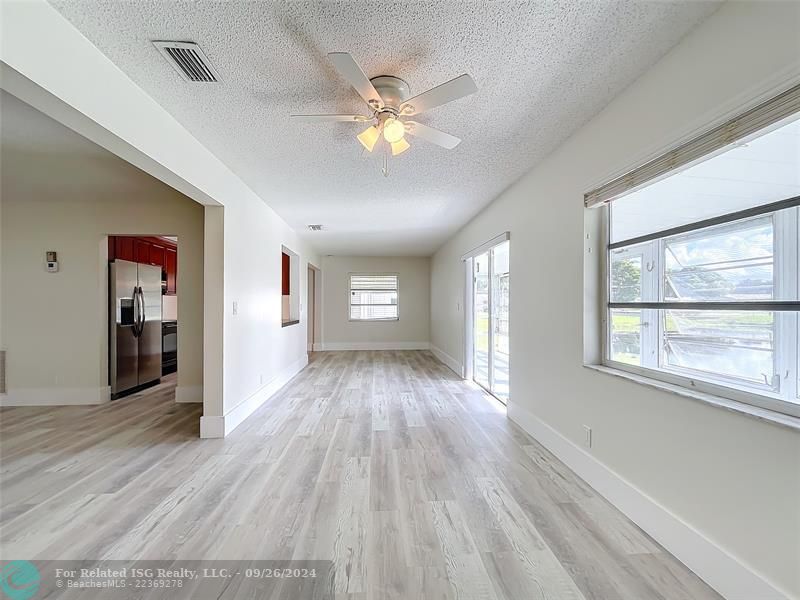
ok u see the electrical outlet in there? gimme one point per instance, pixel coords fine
(235, 307)
(587, 436)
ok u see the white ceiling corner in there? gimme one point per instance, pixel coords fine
(543, 69)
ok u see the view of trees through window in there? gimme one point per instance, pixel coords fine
(731, 263)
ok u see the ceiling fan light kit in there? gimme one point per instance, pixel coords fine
(388, 99)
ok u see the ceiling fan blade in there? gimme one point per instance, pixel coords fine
(317, 118)
(461, 86)
(349, 69)
(440, 138)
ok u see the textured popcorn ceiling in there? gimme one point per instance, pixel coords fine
(542, 68)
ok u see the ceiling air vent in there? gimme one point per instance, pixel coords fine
(315, 227)
(188, 60)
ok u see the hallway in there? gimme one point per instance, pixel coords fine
(413, 482)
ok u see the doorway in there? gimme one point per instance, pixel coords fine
(488, 323)
(312, 304)
(143, 312)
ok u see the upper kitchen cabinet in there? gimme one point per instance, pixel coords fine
(142, 249)
(157, 254)
(121, 247)
(171, 268)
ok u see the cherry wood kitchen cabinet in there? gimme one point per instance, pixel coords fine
(171, 268)
(157, 254)
(121, 247)
(142, 251)
(285, 267)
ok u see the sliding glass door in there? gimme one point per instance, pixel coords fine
(490, 331)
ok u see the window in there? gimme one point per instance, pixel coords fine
(703, 270)
(373, 297)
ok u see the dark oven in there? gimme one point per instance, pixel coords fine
(169, 347)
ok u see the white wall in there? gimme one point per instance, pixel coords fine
(260, 355)
(412, 330)
(730, 477)
(55, 325)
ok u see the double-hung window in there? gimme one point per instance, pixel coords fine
(373, 297)
(703, 266)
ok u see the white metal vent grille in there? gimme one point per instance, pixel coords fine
(315, 227)
(188, 59)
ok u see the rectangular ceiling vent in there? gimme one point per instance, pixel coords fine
(188, 60)
(315, 227)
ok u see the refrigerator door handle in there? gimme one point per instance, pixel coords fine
(139, 312)
(135, 327)
(142, 314)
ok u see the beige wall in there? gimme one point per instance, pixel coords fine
(55, 324)
(412, 330)
(733, 478)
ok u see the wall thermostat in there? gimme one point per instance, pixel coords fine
(52, 261)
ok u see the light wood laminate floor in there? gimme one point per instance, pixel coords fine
(413, 482)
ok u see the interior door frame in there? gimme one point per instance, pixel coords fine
(469, 319)
(314, 308)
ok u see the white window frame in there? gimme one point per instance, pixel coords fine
(786, 400)
(350, 296)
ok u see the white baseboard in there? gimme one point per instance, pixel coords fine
(316, 347)
(212, 427)
(56, 396)
(216, 427)
(331, 346)
(189, 393)
(448, 360)
(723, 572)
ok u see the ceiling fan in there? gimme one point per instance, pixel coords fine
(392, 110)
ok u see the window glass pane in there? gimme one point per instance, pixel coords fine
(626, 336)
(735, 344)
(626, 277)
(481, 318)
(728, 263)
(499, 321)
(373, 297)
(758, 172)
(373, 312)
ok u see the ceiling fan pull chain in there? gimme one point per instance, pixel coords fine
(385, 169)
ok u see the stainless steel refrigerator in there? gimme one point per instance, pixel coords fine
(135, 326)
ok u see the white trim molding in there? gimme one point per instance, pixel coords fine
(56, 396)
(498, 239)
(212, 427)
(720, 570)
(185, 394)
(221, 426)
(449, 361)
(329, 346)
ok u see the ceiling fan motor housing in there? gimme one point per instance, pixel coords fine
(393, 90)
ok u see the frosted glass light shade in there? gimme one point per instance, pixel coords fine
(400, 147)
(368, 137)
(393, 130)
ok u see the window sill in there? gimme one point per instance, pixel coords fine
(287, 323)
(755, 412)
